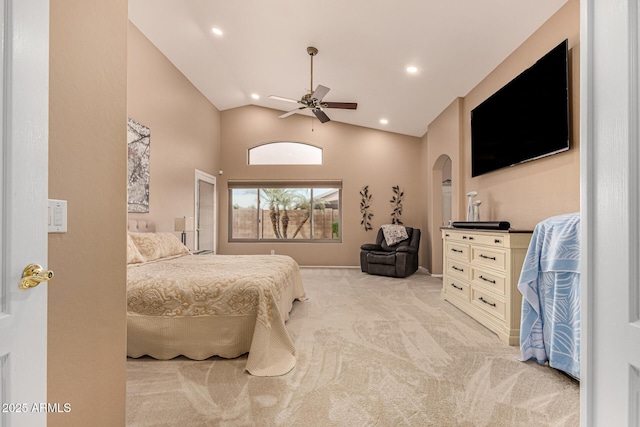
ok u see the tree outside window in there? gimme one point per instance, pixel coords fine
(285, 214)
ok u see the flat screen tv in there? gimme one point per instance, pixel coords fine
(525, 120)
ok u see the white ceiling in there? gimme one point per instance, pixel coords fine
(364, 48)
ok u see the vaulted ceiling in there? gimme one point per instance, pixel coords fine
(365, 47)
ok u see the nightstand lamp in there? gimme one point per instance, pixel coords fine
(183, 224)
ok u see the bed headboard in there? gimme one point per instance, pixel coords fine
(141, 226)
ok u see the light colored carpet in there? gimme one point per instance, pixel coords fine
(372, 351)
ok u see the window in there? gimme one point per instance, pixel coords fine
(285, 153)
(285, 211)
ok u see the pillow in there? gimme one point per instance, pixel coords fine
(154, 246)
(133, 254)
(394, 233)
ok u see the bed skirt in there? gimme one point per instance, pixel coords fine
(261, 331)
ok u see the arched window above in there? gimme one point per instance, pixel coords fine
(285, 153)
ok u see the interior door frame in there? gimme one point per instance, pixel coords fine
(203, 176)
(24, 129)
(610, 206)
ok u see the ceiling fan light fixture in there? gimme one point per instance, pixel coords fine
(384, 121)
(314, 100)
(217, 31)
(412, 69)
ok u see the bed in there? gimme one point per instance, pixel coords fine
(208, 305)
(550, 287)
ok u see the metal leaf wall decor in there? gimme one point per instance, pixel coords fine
(365, 205)
(396, 204)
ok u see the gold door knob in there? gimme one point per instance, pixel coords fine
(32, 275)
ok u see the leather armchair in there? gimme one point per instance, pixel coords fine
(399, 260)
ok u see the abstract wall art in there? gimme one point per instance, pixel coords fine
(138, 144)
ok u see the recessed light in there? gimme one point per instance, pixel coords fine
(255, 96)
(411, 69)
(384, 121)
(217, 31)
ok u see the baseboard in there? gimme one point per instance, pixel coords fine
(330, 266)
(420, 269)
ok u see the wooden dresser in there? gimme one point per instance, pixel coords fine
(481, 271)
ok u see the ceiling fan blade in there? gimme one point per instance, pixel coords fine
(344, 105)
(321, 115)
(280, 98)
(320, 92)
(289, 113)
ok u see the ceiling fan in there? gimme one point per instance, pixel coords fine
(313, 101)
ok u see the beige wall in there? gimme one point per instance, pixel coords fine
(185, 131)
(524, 194)
(87, 167)
(528, 193)
(159, 96)
(359, 156)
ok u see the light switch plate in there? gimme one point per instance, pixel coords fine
(57, 216)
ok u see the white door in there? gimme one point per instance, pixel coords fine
(205, 212)
(610, 176)
(23, 209)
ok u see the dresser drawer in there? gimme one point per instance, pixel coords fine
(483, 239)
(489, 303)
(458, 268)
(457, 288)
(458, 236)
(494, 258)
(458, 251)
(477, 238)
(493, 281)
(451, 236)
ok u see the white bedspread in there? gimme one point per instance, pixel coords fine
(205, 305)
(550, 287)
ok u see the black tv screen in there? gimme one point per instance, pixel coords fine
(525, 120)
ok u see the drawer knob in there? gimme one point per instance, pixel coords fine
(456, 250)
(492, 304)
(457, 287)
(456, 268)
(488, 280)
(492, 258)
(497, 241)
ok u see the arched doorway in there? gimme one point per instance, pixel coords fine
(441, 211)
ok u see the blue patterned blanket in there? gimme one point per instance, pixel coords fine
(550, 287)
